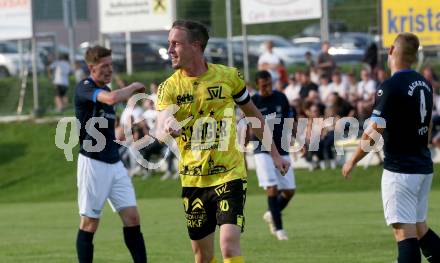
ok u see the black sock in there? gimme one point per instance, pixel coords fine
(135, 243)
(409, 251)
(84, 246)
(430, 245)
(275, 211)
(282, 201)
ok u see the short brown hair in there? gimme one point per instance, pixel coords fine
(196, 31)
(407, 45)
(95, 53)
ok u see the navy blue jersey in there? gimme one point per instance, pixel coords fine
(87, 107)
(405, 102)
(278, 104)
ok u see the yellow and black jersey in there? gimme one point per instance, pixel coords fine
(207, 145)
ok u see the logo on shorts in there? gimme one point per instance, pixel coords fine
(224, 205)
(221, 189)
(185, 204)
(197, 204)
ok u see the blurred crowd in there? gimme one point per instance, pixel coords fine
(319, 90)
(322, 90)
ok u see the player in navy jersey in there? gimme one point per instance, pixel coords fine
(279, 188)
(101, 175)
(404, 104)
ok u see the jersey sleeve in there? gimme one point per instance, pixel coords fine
(239, 91)
(164, 95)
(86, 91)
(382, 102)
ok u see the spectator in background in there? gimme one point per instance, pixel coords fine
(250, 88)
(59, 72)
(338, 86)
(352, 96)
(309, 60)
(370, 57)
(79, 72)
(429, 74)
(153, 91)
(366, 91)
(306, 85)
(324, 88)
(314, 74)
(325, 63)
(282, 73)
(279, 86)
(323, 156)
(269, 61)
(381, 76)
(292, 91)
(340, 106)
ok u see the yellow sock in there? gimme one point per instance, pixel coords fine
(213, 260)
(238, 259)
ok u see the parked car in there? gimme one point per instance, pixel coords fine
(350, 46)
(10, 59)
(344, 47)
(217, 52)
(285, 49)
(147, 53)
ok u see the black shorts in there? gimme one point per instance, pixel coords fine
(60, 90)
(207, 207)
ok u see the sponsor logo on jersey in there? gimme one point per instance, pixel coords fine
(184, 99)
(379, 93)
(215, 93)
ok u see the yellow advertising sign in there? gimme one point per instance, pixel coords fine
(421, 17)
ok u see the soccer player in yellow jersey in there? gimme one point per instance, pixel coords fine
(201, 97)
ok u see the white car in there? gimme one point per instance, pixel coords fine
(289, 53)
(10, 60)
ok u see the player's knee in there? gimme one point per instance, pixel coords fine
(202, 256)
(288, 194)
(89, 224)
(272, 191)
(230, 246)
(404, 231)
(132, 220)
(130, 217)
(422, 229)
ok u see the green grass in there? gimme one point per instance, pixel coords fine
(323, 227)
(330, 219)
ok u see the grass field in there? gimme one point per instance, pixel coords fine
(323, 227)
(330, 220)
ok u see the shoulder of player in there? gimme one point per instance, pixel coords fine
(386, 85)
(86, 83)
(279, 94)
(224, 68)
(170, 80)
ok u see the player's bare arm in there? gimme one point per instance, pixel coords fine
(360, 153)
(250, 110)
(120, 95)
